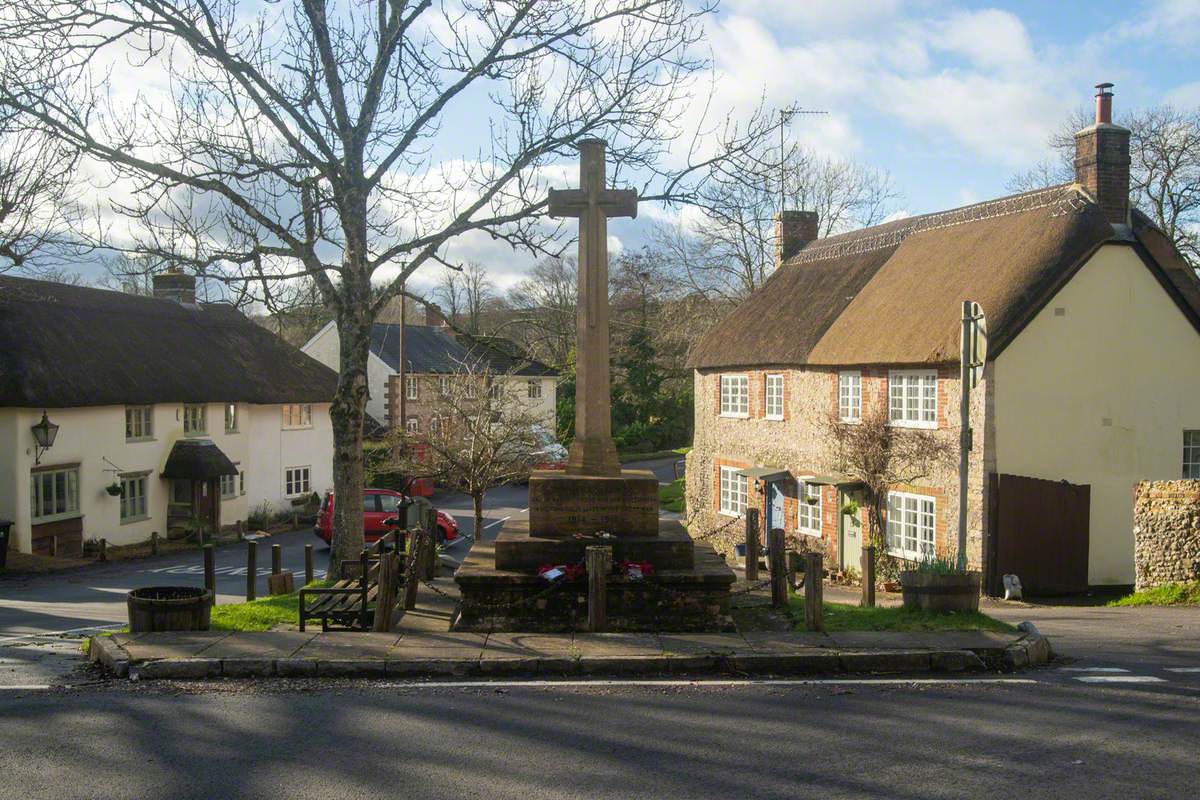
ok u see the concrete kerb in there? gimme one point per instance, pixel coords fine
(1031, 650)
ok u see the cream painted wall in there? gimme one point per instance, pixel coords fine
(1101, 394)
(87, 436)
(324, 348)
(545, 407)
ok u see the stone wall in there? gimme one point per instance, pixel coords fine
(1166, 532)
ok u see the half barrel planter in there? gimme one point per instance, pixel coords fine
(930, 591)
(169, 608)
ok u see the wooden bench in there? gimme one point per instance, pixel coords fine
(352, 602)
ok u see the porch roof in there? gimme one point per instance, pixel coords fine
(198, 460)
(827, 479)
(765, 474)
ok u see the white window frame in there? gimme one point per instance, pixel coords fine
(443, 386)
(909, 402)
(139, 423)
(231, 417)
(850, 396)
(533, 389)
(229, 485)
(412, 389)
(296, 416)
(472, 388)
(37, 494)
(241, 481)
(297, 481)
(909, 517)
(412, 425)
(808, 515)
(736, 390)
(1191, 454)
(733, 491)
(195, 419)
(435, 424)
(773, 385)
(134, 506)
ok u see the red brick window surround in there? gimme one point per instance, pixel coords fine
(913, 398)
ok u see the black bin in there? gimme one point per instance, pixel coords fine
(5, 527)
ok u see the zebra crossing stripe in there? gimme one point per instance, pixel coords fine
(1094, 669)
(1182, 669)
(1119, 679)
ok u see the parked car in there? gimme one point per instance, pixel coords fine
(379, 505)
(549, 454)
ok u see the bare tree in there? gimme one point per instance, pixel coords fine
(479, 292)
(881, 456)
(731, 251)
(544, 306)
(482, 436)
(36, 173)
(295, 139)
(449, 292)
(1164, 170)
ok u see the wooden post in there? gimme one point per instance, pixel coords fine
(814, 593)
(410, 580)
(210, 572)
(308, 564)
(54, 547)
(153, 543)
(777, 559)
(868, 576)
(752, 546)
(295, 520)
(239, 528)
(251, 569)
(104, 549)
(599, 563)
(276, 559)
(430, 562)
(385, 603)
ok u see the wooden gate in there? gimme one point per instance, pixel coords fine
(1039, 531)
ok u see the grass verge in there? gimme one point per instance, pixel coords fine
(845, 617)
(1169, 594)
(261, 614)
(670, 496)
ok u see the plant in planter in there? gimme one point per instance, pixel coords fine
(115, 489)
(940, 583)
(850, 508)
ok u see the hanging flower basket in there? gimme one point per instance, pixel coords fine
(115, 489)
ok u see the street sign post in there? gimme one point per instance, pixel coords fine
(972, 355)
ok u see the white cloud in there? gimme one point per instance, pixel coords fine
(989, 38)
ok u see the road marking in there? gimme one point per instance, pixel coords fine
(56, 634)
(1182, 669)
(497, 522)
(1119, 679)
(1093, 669)
(28, 687)
(552, 684)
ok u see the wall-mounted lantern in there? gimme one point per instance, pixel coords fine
(44, 434)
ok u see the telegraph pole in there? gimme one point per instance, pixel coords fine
(971, 357)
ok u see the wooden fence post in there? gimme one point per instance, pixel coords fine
(210, 572)
(251, 569)
(814, 593)
(153, 543)
(868, 576)
(414, 571)
(777, 559)
(752, 546)
(308, 564)
(430, 562)
(104, 549)
(54, 547)
(385, 603)
(599, 563)
(276, 559)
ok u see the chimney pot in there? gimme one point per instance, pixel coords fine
(1104, 103)
(793, 230)
(434, 318)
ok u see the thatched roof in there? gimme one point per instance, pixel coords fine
(197, 459)
(892, 294)
(430, 350)
(67, 346)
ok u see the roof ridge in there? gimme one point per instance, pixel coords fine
(862, 241)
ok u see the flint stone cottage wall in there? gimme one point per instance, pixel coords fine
(1166, 531)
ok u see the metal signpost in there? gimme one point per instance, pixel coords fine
(972, 354)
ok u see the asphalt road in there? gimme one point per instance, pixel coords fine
(842, 740)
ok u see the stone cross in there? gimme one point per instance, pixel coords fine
(592, 452)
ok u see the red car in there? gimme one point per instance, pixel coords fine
(379, 505)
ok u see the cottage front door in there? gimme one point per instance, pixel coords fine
(775, 518)
(850, 546)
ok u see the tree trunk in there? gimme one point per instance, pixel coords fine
(346, 413)
(477, 504)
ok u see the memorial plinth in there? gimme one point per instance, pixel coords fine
(564, 505)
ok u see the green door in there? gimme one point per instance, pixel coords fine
(850, 541)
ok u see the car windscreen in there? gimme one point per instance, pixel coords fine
(391, 503)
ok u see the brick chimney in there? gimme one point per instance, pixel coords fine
(793, 229)
(175, 284)
(434, 318)
(1102, 160)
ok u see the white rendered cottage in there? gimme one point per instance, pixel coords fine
(192, 410)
